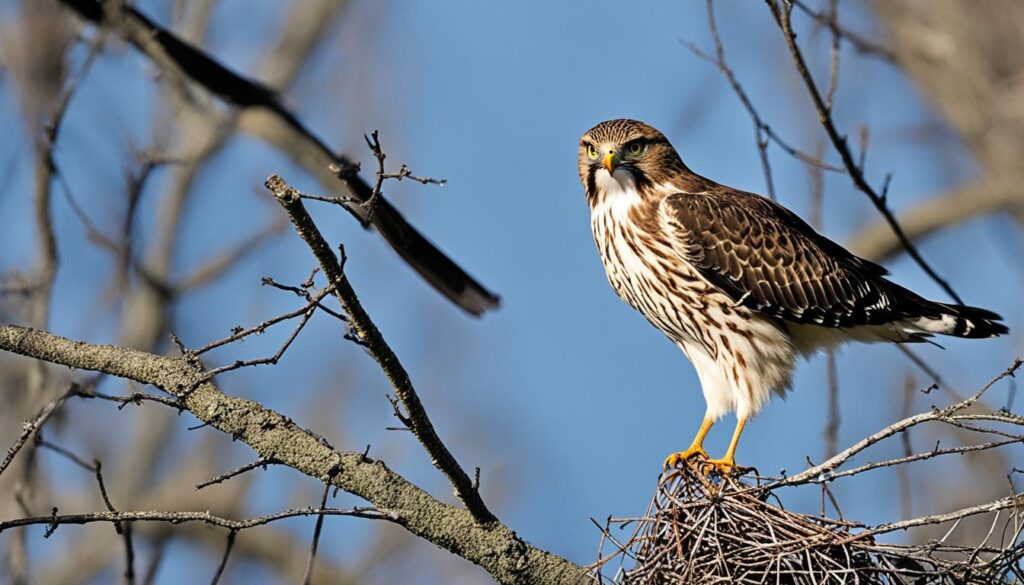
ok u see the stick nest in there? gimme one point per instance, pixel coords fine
(699, 531)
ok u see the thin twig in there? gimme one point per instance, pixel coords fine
(367, 331)
(270, 360)
(1014, 501)
(782, 16)
(57, 116)
(66, 454)
(833, 52)
(227, 553)
(136, 398)
(261, 462)
(32, 426)
(261, 328)
(760, 137)
(179, 517)
(308, 578)
(858, 41)
(823, 471)
(303, 291)
(370, 205)
(124, 529)
(763, 131)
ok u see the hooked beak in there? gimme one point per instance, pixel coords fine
(609, 162)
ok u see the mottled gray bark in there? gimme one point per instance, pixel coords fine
(270, 434)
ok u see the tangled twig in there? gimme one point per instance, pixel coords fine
(725, 530)
(697, 531)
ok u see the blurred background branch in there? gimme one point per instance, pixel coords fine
(263, 114)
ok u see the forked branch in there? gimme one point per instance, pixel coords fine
(272, 435)
(782, 10)
(367, 332)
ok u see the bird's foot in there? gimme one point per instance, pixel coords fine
(694, 451)
(724, 467)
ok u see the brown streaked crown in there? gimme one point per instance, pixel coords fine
(659, 163)
(623, 130)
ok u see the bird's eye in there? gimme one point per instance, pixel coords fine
(591, 152)
(636, 148)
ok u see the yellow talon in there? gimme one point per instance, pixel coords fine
(696, 448)
(724, 467)
(674, 459)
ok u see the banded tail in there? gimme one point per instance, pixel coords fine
(962, 321)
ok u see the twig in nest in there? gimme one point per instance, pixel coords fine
(698, 531)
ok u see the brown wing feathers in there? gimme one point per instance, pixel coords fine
(767, 258)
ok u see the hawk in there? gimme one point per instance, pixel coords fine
(740, 283)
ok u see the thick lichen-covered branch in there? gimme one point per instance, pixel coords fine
(272, 435)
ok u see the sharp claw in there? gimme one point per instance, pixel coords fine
(699, 462)
(681, 457)
(722, 468)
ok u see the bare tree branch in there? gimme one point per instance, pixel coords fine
(227, 553)
(53, 521)
(858, 41)
(263, 113)
(763, 132)
(878, 242)
(366, 331)
(824, 472)
(238, 471)
(32, 426)
(307, 579)
(493, 546)
(1014, 501)
(782, 14)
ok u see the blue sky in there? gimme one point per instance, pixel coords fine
(565, 398)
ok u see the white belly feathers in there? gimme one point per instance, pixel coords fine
(740, 356)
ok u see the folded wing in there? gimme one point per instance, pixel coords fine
(766, 258)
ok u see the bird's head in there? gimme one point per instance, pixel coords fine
(627, 155)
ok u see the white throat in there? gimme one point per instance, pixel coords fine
(615, 192)
(610, 184)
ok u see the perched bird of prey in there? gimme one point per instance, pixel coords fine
(741, 284)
